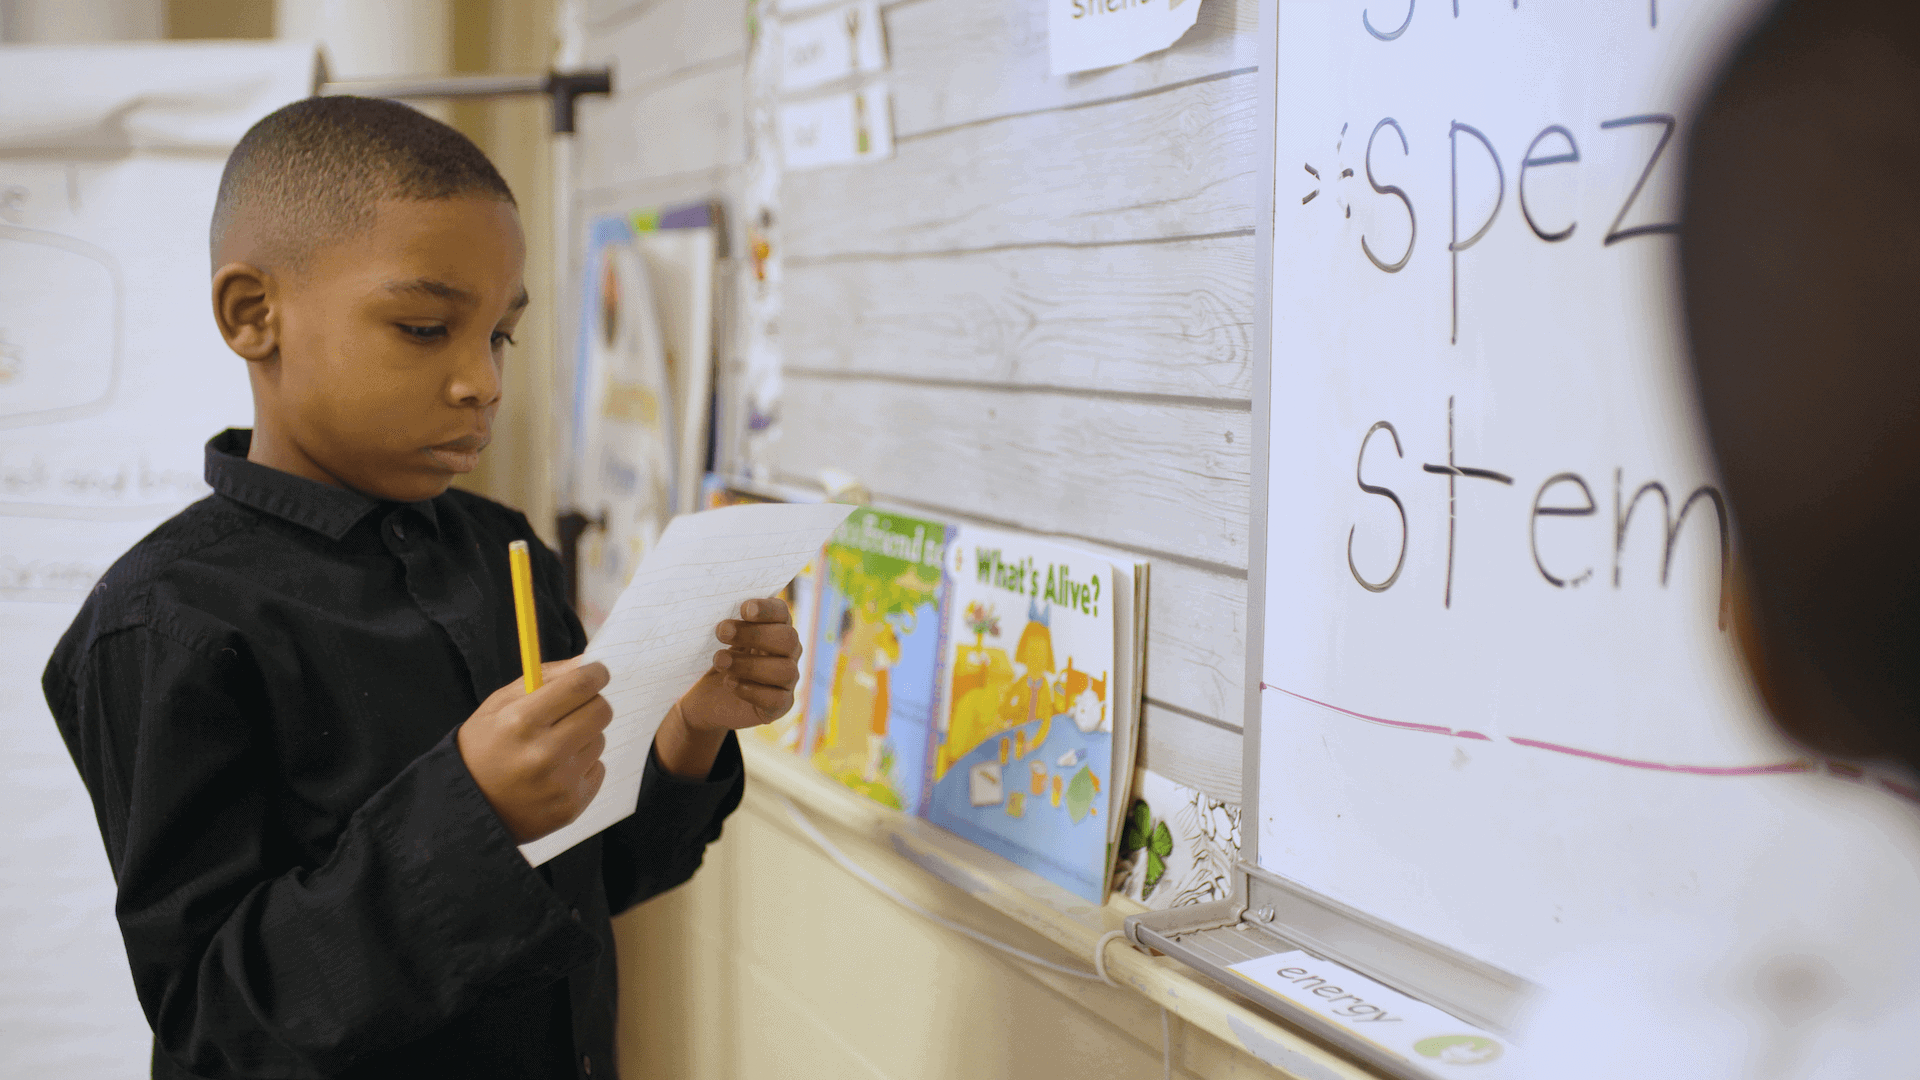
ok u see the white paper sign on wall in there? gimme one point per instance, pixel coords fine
(1086, 34)
(836, 130)
(832, 45)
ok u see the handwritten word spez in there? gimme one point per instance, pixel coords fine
(1553, 145)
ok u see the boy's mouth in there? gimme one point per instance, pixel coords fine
(460, 455)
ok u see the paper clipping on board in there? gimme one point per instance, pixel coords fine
(855, 126)
(1433, 1042)
(821, 48)
(1083, 35)
(659, 637)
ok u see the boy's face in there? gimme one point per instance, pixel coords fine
(390, 346)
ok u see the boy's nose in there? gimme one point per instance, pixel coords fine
(476, 384)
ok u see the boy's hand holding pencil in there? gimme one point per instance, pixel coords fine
(536, 756)
(534, 747)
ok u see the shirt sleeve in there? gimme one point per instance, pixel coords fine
(248, 963)
(664, 841)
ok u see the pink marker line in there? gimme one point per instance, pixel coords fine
(1538, 744)
(1692, 770)
(1428, 728)
(1905, 791)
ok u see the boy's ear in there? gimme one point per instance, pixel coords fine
(244, 306)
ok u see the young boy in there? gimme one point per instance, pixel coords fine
(295, 704)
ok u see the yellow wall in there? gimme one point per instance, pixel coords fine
(200, 19)
(515, 36)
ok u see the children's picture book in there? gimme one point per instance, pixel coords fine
(874, 656)
(1177, 845)
(1038, 704)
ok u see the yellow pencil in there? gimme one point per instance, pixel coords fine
(522, 566)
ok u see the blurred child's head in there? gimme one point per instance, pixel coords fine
(1800, 256)
(367, 264)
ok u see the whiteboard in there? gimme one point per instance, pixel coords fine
(1497, 705)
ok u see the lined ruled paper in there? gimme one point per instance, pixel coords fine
(658, 640)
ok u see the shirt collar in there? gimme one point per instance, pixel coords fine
(330, 511)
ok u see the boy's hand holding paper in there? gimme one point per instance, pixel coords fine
(657, 643)
(750, 683)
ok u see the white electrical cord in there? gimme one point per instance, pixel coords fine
(1100, 956)
(1166, 1045)
(838, 856)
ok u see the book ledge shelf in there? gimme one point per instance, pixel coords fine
(897, 847)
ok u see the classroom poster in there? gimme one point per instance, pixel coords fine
(626, 420)
(1023, 755)
(875, 651)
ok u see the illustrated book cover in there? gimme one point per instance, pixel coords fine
(1039, 702)
(1178, 845)
(873, 656)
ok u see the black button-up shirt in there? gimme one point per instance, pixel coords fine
(261, 697)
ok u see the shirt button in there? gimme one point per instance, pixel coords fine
(576, 914)
(586, 1064)
(398, 531)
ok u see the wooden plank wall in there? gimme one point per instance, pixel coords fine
(1039, 314)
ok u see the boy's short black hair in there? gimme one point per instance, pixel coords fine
(310, 173)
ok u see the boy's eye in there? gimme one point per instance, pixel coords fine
(501, 337)
(423, 333)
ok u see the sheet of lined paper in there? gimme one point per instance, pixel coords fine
(659, 637)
